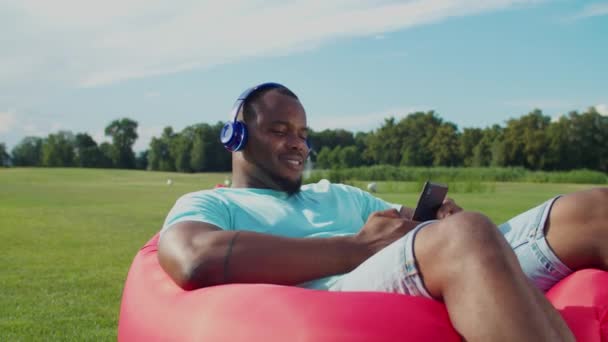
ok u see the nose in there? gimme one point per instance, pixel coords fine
(294, 141)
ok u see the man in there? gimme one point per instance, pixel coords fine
(266, 228)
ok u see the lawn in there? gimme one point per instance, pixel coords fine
(68, 236)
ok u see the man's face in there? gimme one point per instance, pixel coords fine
(277, 141)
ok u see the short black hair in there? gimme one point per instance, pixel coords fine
(249, 112)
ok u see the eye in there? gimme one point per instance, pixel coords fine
(278, 133)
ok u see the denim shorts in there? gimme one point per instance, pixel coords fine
(394, 268)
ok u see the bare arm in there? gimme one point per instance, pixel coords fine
(197, 254)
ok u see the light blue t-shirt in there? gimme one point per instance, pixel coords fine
(322, 209)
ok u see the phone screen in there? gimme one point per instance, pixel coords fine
(430, 200)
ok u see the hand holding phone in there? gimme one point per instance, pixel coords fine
(431, 198)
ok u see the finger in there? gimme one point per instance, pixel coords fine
(445, 211)
(392, 212)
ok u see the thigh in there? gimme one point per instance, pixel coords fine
(525, 233)
(393, 269)
(577, 228)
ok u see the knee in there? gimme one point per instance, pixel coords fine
(460, 246)
(599, 198)
(599, 209)
(470, 234)
(592, 208)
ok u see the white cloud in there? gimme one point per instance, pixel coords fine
(96, 43)
(7, 121)
(144, 135)
(360, 122)
(593, 10)
(602, 109)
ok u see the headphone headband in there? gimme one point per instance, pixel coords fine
(240, 101)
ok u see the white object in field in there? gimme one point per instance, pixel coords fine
(169, 181)
(227, 182)
(372, 187)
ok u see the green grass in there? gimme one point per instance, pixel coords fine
(68, 236)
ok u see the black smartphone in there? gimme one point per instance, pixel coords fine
(430, 200)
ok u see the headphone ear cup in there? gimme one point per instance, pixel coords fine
(241, 134)
(234, 136)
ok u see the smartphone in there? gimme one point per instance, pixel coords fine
(430, 200)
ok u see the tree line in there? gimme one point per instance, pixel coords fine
(534, 141)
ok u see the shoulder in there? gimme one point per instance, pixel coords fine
(325, 186)
(201, 195)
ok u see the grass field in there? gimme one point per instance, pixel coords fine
(68, 236)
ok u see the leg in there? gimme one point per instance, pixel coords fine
(466, 262)
(577, 229)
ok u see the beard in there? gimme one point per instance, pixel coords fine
(285, 184)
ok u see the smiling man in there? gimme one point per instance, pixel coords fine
(281, 137)
(267, 228)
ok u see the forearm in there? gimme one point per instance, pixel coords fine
(225, 257)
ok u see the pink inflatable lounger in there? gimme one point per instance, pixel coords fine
(154, 308)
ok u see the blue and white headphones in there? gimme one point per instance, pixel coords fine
(234, 133)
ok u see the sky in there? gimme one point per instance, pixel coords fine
(77, 65)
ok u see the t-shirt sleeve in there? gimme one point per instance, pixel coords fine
(202, 206)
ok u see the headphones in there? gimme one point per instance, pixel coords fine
(234, 133)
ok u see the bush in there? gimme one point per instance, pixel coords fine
(470, 177)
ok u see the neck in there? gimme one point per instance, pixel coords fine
(246, 175)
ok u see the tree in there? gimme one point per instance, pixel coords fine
(154, 154)
(87, 153)
(483, 152)
(141, 161)
(334, 157)
(588, 137)
(384, 145)
(330, 138)
(58, 149)
(561, 155)
(28, 152)
(159, 157)
(416, 132)
(348, 156)
(222, 159)
(180, 147)
(124, 135)
(207, 153)
(361, 142)
(106, 152)
(167, 161)
(4, 157)
(324, 158)
(444, 146)
(525, 141)
(470, 138)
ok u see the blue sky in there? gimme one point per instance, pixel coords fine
(74, 65)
